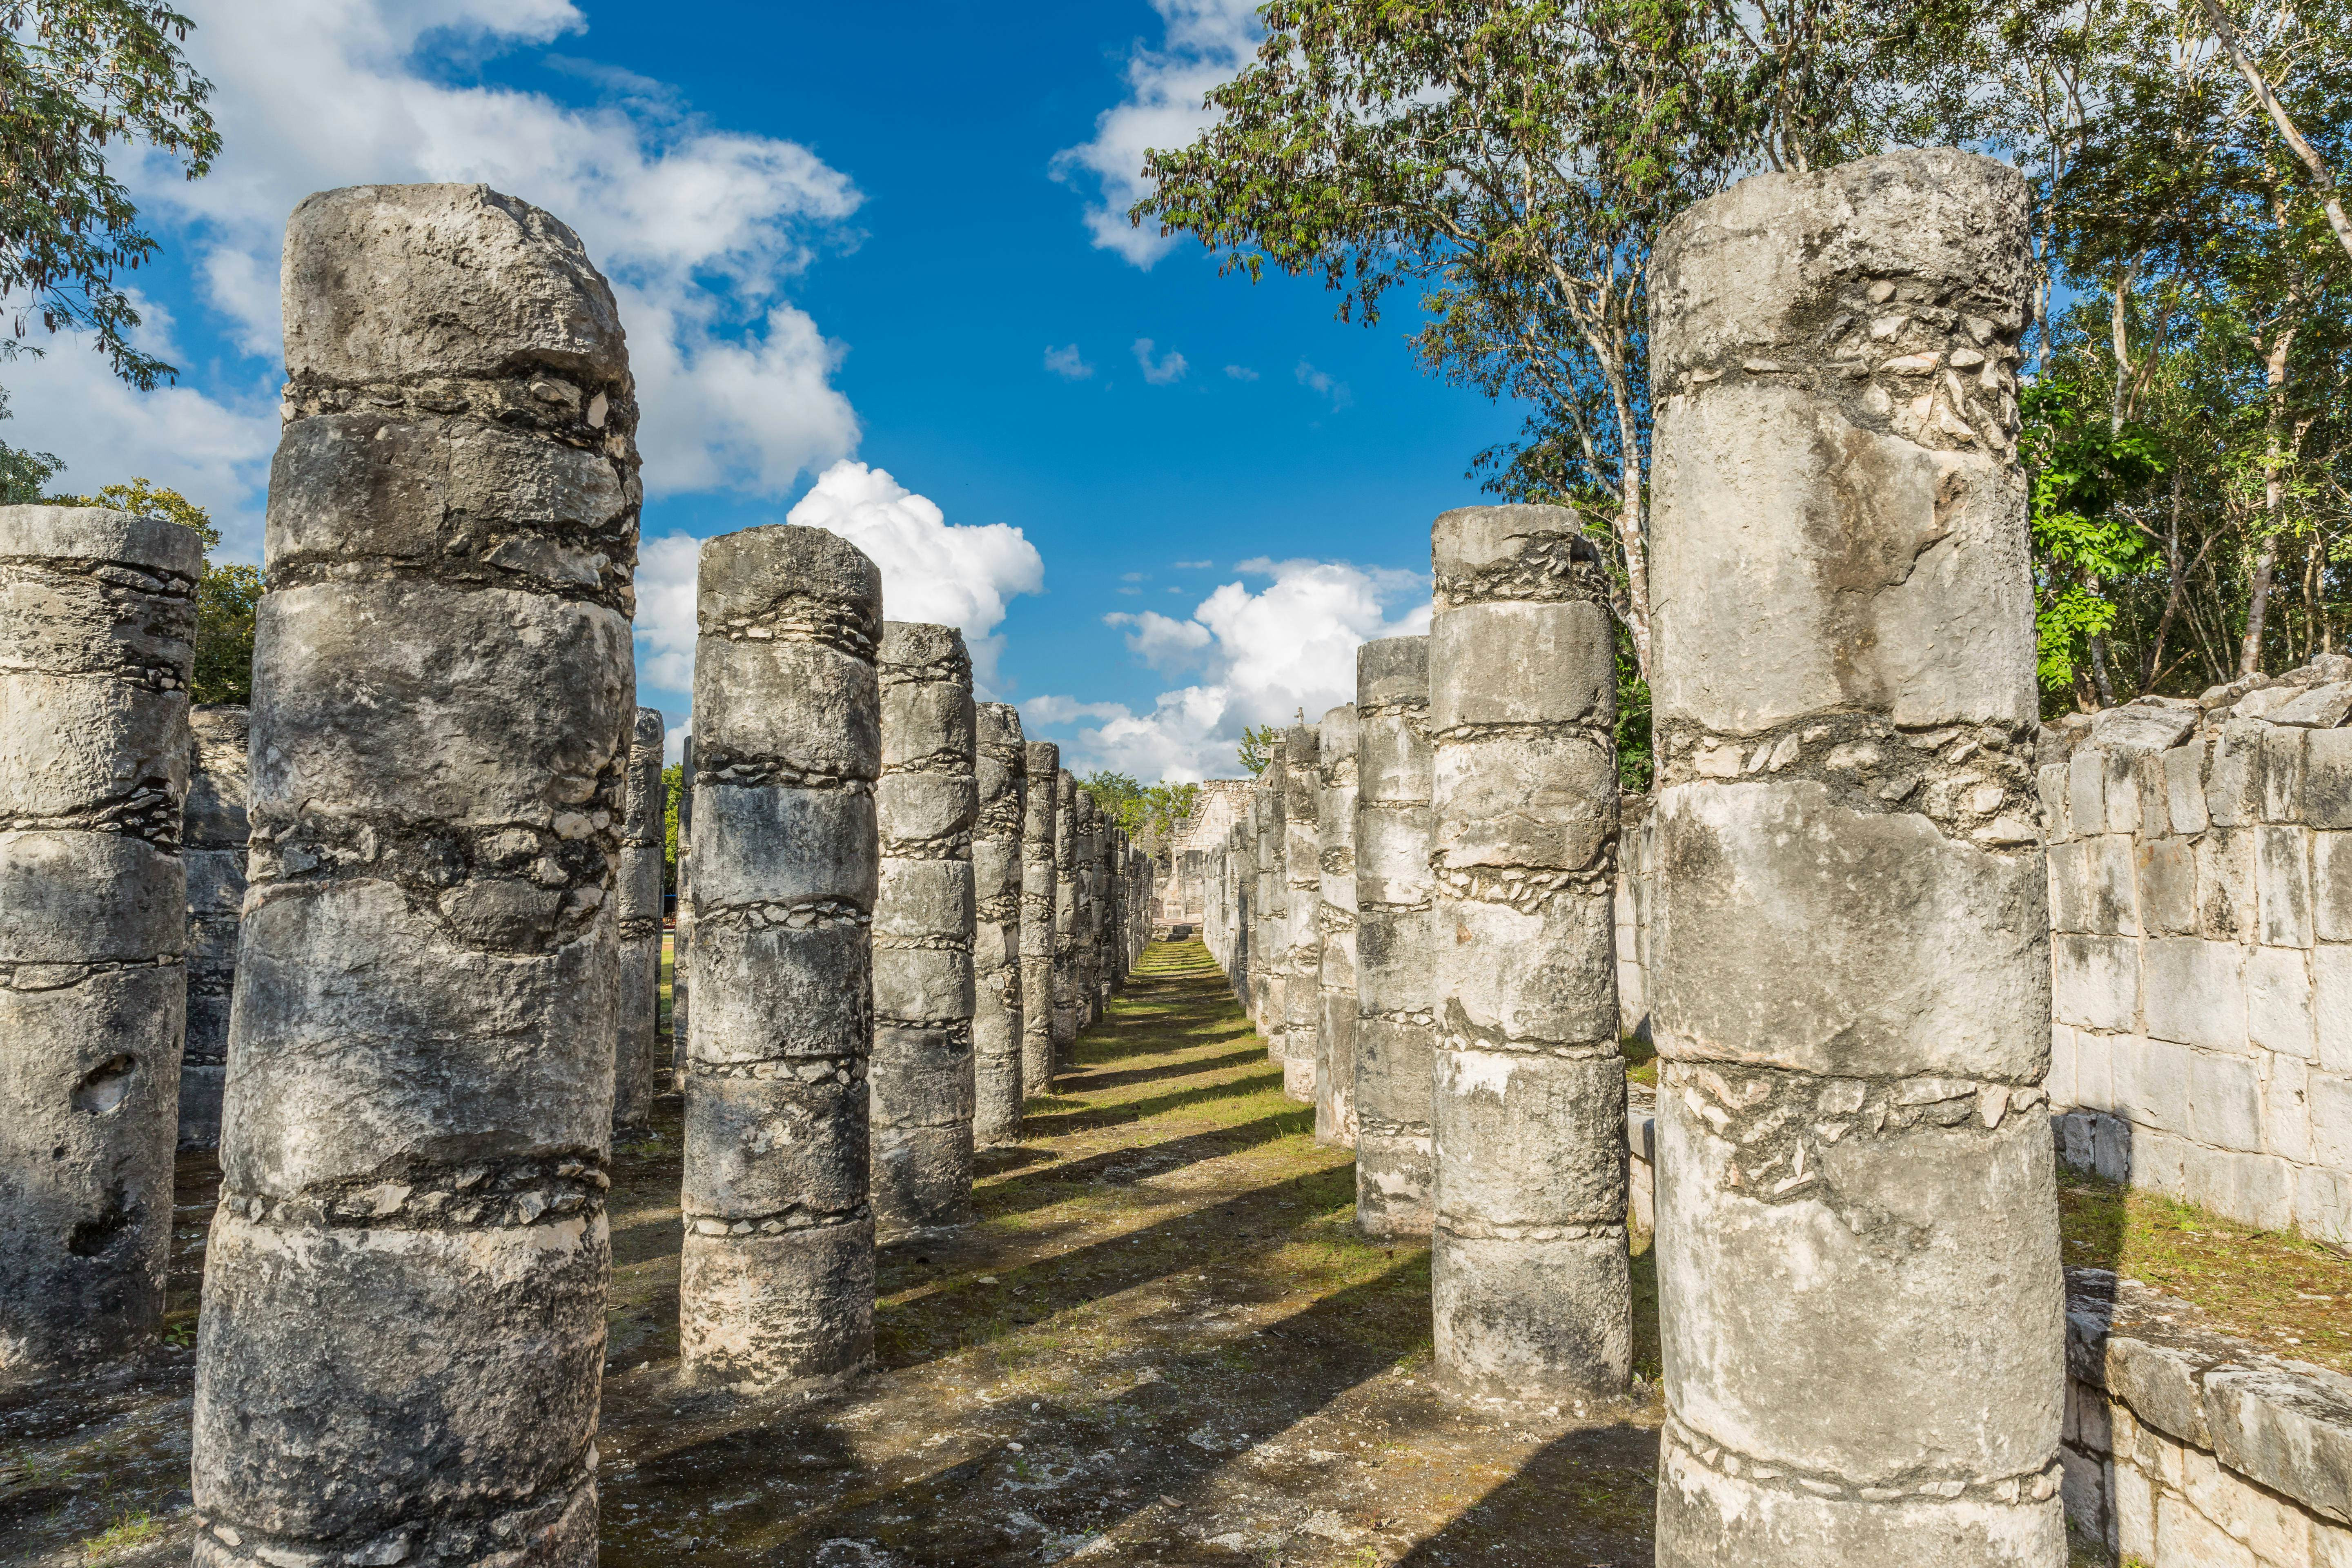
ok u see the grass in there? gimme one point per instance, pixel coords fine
(2290, 1295)
(127, 1534)
(1641, 1059)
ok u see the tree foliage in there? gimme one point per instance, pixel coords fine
(24, 475)
(78, 78)
(1258, 741)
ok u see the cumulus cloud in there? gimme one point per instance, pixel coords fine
(954, 575)
(1257, 657)
(699, 228)
(1194, 565)
(1205, 43)
(1241, 373)
(664, 624)
(1067, 364)
(1168, 370)
(1321, 383)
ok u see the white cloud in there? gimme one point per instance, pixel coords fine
(1193, 565)
(1169, 369)
(1321, 382)
(1067, 364)
(1206, 42)
(674, 740)
(1241, 373)
(1260, 658)
(665, 625)
(699, 227)
(951, 575)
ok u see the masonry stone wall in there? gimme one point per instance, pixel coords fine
(212, 846)
(2200, 896)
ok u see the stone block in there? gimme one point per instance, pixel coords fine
(2331, 886)
(2331, 1006)
(2134, 1505)
(2187, 1538)
(2285, 1429)
(2120, 780)
(2225, 884)
(2095, 981)
(2059, 1082)
(2196, 992)
(2286, 1109)
(2233, 775)
(2151, 1082)
(2070, 885)
(2225, 1101)
(1837, 942)
(1515, 800)
(2159, 1161)
(1520, 662)
(2323, 1204)
(2115, 906)
(2166, 886)
(2279, 1001)
(2184, 788)
(2145, 724)
(2327, 778)
(2331, 1120)
(2283, 886)
(2281, 752)
(2253, 1189)
(2087, 791)
(1543, 975)
(2049, 781)
(2093, 1083)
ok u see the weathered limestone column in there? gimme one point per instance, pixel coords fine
(1086, 956)
(639, 892)
(681, 942)
(1857, 1233)
(1067, 838)
(1334, 835)
(923, 923)
(1271, 939)
(776, 1277)
(1039, 879)
(1302, 875)
(97, 631)
(1528, 1271)
(403, 1324)
(998, 1013)
(212, 846)
(1241, 897)
(1395, 942)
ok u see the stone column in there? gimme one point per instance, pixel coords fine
(1857, 1236)
(1529, 1269)
(1085, 954)
(403, 1324)
(776, 1277)
(97, 628)
(1395, 942)
(999, 1004)
(1335, 837)
(681, 942)
(1302, 876)
(923, 925)
(212, 846)
(639, 896)
(1067, 839)
(1038, 881)
(1270, 939)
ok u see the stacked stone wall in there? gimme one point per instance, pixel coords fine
(2200, 896)
(213, 846)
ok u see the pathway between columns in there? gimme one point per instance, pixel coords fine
(1163, 1342)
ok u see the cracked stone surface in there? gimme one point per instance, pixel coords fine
(212, 846)
(1000, 1000)
(638, 889)
(1857, 1225)
(1395, 953)
(97, 635)
(1039, 879)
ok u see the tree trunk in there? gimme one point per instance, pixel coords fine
(2250, 651)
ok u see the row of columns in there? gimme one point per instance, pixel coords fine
(1856, 1235)
(391, 938)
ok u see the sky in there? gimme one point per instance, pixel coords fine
(876, 277)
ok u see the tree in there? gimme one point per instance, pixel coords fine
(228, 596)
(673, 789)
(23, 474)
(76, 78)
(1258, 741)
(1515, 158)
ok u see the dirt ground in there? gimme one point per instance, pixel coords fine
(1163, 1342)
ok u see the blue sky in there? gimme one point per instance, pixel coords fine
(852, 236)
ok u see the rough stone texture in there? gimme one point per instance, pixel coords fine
(1039, 879)
(681, 937)
(638, 892)
(2200, 891)
(1067, 839)
(924, 921)
(1529, 1275)
(1085, 918)
(1302, 876)
(1270, 939)
(212, 847)
(1857, 1234)
(998, 1015)
(1637, 878)
(1395, 947)
(1335, 1032)
(97, 626)
(2186, 1447)
(776, 1275)
(403, 1326)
